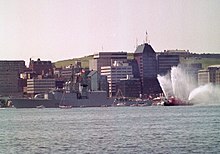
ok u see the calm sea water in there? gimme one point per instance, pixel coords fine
(189, 129)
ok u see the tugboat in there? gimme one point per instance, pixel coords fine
(173, 101)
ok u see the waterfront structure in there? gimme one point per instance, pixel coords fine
(129, 87)
(209, 75)
(177, 52)
(106, 59)
(203, 77)
(44, 68)
(214, 74)
(147, 65)
(9, 77)
(166, 61)
(37, 86)
(114, 73)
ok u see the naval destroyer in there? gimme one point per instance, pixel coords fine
(74, 94)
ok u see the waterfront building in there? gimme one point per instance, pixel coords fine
(106, 59)
(210, 75)
(147, 65)
(166, 61)
(114, 73)
(44, 68)
(203, 77)
(129, 87)
(37, 86)
(9, 77)
(214, 74)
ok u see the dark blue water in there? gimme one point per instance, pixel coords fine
(189, 129)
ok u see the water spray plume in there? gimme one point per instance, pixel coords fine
(182, 85)
(178, 83)
(206, 95)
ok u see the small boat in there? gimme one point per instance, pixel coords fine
(65, 106)
(40, 107)
(173, 101)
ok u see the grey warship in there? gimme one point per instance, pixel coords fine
(74, 94)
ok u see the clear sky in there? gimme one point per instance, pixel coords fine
(63, 29)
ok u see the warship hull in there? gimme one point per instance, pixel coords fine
(56, 99)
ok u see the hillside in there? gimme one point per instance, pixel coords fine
(84, 61)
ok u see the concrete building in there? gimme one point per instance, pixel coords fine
(210, 75)
(106, 59)
(114, 73)
(214, 74)
(147, 64)
(36, 86)
(166, 62)
(44, 68)
(203, 77)
(129, 87)
(9, 77)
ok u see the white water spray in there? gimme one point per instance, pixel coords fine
(206, 94)
(178, 84)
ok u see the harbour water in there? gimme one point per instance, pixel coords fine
(152, 129)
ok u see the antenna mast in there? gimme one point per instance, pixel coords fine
(146, 37)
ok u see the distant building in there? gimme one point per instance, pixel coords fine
(37, 86)
(17, 65)
(203, 77)
(106, 59)
(147, 64)
(114, 73)
(177, 52)
(166, 62)
(10, 77)
(129, 87)
(214, 74)
(210, 75)
(44, 68)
